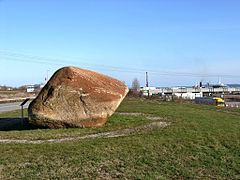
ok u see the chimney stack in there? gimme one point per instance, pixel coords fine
(146, 79)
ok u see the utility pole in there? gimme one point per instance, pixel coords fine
(147, 84)
(146, 79)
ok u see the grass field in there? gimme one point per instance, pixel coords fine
(201, 142)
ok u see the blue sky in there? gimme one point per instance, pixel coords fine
(179, 42)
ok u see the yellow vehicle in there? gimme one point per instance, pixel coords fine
(219, 102)
(210, 101)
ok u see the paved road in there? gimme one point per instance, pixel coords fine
(11, 106)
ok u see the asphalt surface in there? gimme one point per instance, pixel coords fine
(12, 106)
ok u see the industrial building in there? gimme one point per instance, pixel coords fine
(192, 92)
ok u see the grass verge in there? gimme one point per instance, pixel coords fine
(203, 142)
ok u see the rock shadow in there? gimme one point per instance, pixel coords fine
(11, 124)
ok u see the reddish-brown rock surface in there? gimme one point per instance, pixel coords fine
(76, 97)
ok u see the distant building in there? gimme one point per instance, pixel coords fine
(187, 95)
(145, 91)
(34, 88)
(6, 88)
(30, 88)
(190, 92)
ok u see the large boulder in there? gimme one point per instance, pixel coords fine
(75, 97)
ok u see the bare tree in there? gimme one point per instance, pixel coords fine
(135, 85)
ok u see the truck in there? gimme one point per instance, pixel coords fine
(215, 101)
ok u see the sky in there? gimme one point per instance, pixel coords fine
(178, 42)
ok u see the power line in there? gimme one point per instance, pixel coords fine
(19, 57)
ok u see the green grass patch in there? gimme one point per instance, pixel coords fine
(115, 122)
(202, 142)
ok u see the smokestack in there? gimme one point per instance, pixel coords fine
(200, 84)
(146, 79)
